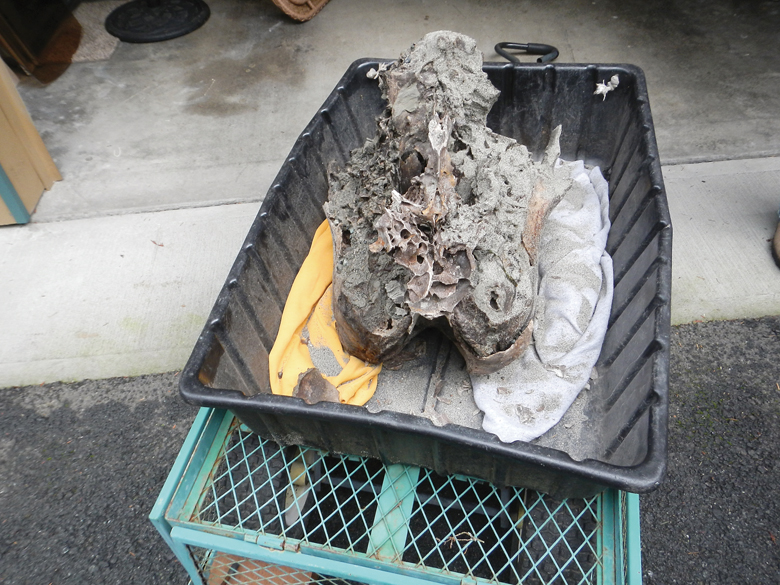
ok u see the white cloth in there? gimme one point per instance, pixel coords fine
(525, 399)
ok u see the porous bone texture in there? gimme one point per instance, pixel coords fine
(436, 219)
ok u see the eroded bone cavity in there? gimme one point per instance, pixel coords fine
(436, 220)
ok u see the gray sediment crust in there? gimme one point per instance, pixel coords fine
(436, 219)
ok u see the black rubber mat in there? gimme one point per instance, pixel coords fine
(151, 21)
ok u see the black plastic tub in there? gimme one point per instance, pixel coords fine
(628, 402)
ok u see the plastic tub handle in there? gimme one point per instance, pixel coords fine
(548, 52)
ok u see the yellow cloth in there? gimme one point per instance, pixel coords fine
(310, 305)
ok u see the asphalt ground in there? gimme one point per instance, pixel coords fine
(716, 518)
(80, 468)
(82, 464)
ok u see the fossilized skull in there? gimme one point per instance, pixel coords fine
(436, 220)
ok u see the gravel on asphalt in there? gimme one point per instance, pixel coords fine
(716, 518)
(80, 468)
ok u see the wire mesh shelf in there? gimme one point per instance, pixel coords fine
(240, 509)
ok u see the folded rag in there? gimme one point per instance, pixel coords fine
(525, 399)
(307, 337)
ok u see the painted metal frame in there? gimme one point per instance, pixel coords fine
(191, 480)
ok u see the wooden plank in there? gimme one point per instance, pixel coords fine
(19, 120)
(19, 168)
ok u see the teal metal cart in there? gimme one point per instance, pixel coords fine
(239, 509)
